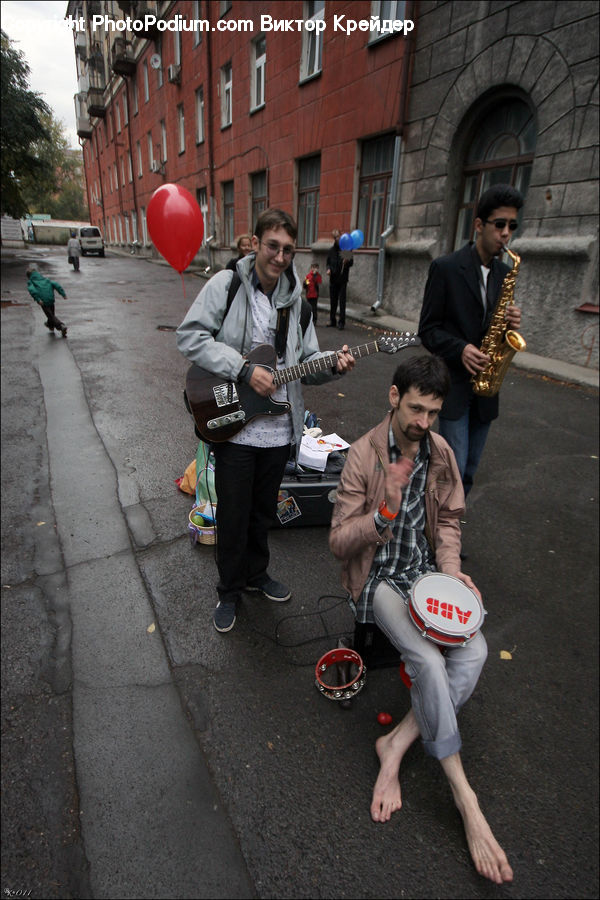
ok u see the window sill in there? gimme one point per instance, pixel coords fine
(304, 79)
(225, 127)
(256, 109)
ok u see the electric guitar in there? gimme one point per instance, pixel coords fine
(222, 408)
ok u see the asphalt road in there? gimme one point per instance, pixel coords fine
(145, 755)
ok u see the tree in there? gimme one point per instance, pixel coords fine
(21, 129)
(61, 192)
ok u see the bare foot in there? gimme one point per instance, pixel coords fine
(387, 796)
(488, 856)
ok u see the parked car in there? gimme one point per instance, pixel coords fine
(90, 238)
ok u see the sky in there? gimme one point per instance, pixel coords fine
(39, 30)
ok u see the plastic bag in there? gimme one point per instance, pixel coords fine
(205, 476)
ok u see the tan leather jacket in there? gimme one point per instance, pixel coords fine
(354, 537)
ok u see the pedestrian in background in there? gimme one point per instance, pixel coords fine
(74, 250)
(42, 290)
(338, 266)
(244, 246)
(311, 285)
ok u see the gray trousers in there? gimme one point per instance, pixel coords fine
(441, 683)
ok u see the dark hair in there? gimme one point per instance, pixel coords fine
(496, 196)
(275, 218)
(428, 374)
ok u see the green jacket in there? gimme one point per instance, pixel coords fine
(42, 289)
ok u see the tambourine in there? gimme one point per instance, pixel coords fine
(339, 657)
(445, 610)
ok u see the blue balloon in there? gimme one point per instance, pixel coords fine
(357, 238)
(346, 242)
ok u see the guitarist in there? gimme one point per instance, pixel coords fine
(249, 467)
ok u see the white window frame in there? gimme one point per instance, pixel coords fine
(140, 160)
(181, 127)
(200, 115)
(118, 109)
(136, 97)
(226, 95)
(150, 151)
(196, 16)
(130, 164)
(144, 226)
(146, 82)
(134, 229)
(163, 140)
(257, 75)
(312, 43)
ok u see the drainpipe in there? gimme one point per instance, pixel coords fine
(391, 219)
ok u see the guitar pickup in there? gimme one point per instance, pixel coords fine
(225, 394)
(229, 419)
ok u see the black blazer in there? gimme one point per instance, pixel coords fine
(452, 317)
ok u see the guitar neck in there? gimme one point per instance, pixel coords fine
(322, 363)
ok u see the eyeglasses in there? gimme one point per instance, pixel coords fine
(500, 224)
(274, 249)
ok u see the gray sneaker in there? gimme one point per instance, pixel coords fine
(225, 615)
(272, 590)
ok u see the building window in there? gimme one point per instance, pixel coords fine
(127, 239)
(122, 172)
(134, 231)
(158, 45)
(501, 152)
(259, 194)
(387, 10)
(146, 82)
(375, 179)
(228, 229)
(259, 56)
(226, 95)
(144, 226)
(309, 178)
(135, 97)
(163, 141)
(181, 128)
(129, 163)
(177, 48)
(140, 162)
(150, 152)
(199, 115)
(118, 110)
(312, 40)
(125, 110)
(196, 15)
(202, 200)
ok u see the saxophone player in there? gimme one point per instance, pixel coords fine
(461, 294)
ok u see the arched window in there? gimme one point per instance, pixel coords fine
(500, 152)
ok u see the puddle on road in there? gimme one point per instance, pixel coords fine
(166, 327)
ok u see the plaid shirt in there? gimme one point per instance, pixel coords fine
(408, 555)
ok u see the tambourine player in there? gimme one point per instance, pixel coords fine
(397, 518)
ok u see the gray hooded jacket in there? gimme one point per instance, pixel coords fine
(219, 342)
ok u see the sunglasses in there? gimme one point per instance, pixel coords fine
(500, 224)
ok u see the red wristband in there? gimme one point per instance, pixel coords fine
(384, 511)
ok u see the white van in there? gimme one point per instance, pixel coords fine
(90, 238)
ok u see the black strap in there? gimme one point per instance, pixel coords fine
(282, 321)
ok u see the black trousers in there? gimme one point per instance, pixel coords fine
(247, 481)
(337, 294)
(52, 319)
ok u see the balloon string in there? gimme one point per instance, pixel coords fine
(182, 284)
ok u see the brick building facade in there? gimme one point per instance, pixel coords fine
(395, 130)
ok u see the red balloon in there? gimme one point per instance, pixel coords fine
(175, 224)
(384, 718)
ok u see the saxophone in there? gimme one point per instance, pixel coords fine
(500, 343)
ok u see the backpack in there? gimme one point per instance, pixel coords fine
(283, 316)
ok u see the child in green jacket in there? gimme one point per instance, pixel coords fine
(42, 290)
